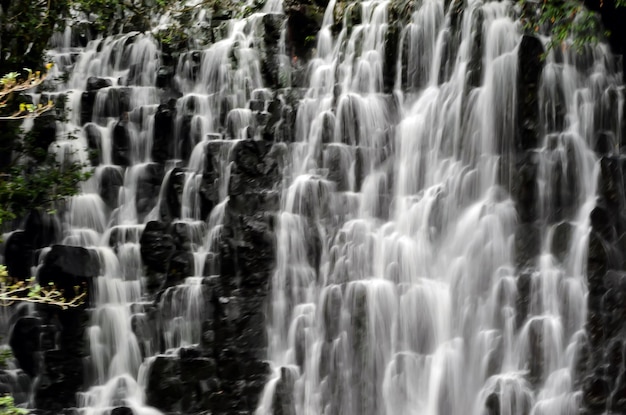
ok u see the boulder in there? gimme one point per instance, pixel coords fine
(67, 267)
(24, 342)
(157, 246)
(94, 83)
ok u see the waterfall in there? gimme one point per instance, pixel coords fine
(400, 246)
(437, 181)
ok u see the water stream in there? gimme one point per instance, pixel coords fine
(397, 279)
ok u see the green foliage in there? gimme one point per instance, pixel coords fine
(25, 27)
(12, 291)
(28, 186)
(7, 407)
(5, 355)
(561, 19)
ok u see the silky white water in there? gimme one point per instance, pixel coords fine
(396, 285)
(122, 336)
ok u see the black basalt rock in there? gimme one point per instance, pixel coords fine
(595, 392)
(529, 73)
(170, 208)
(67, 267)
(24, 342)
(157, 246)
(148, 185)
(121, 144)
(94, 83)
(163, 142)
(94, 143)
(43, 134)
(165, 389)
(111, 179)
(87, 101)
(18, 254)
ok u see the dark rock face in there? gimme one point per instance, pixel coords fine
(225, 373)
(171, 206)
(121, 144)
(61, 372)
(304, 20)
(111, 179)
(163, 143)
(43, 134)
(530, 68)
(24, 341)
(19, 255)
(94, 83)
(272, 24)
(67, 267)
(148, 185)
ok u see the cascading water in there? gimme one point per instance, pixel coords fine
(426, 262)
(112, 94)
(398, 280)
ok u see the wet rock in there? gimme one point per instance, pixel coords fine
(111, 179)
(527, 245)
(121, 144)
(163, 144)
(618, 396)
(87, 101)
(197, 369)
(492, 404)
(116, 102)
(283, 396)
(60, 380)
(595, 393)
(561, 240)
(68, 267)
(24, 342)
(41, 228)
(43, 134)
(257, 167)
(601, 222)
(164, 387)
(148, 186)
(170, 208)
(122, 410)
(529, 73)
(475, 66)
(181, 265)
(605, 143)
(94, 83)
(214, 152)
(611, 183)
(303, 22)
(339, 161)
(594, 325)
(615, 359)
(164, 76)
(270, 49)
(392, 37)
(157, 246)
(94, 143)
(524, 188)
(18, 255)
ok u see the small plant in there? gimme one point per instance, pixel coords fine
(30, 291)
(7, 407)
(12, 83)
(5, 355)
(562, 19)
